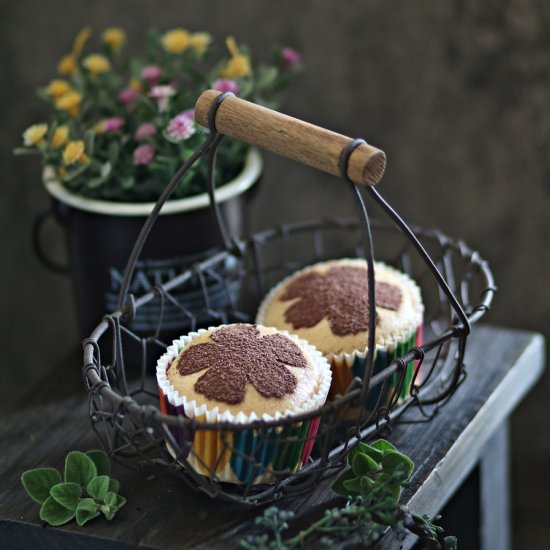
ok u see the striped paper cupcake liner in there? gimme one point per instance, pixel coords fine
(242, 455)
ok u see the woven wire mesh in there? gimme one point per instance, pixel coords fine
(276, 458)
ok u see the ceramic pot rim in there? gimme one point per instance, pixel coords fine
(247, 177)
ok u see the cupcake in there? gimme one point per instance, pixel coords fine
(327, 305)
(240, 374)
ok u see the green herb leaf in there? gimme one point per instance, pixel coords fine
(54, 513)
(98, 487)
(66, 494)
(26, 151)
(358, 448)
(353, 485)
(86, 511)
(101, 461)
(363, 465)
(382, 445)
(367, 484)
(338, 486)
(114, 485)
(113, 503)
(394, 461)
(79, 468)
(38, 482)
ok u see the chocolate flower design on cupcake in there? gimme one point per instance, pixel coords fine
(341, 295)
(240, 356)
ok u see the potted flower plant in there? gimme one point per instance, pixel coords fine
(118, 132)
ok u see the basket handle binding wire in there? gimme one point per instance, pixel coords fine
(355, 161)
(362, 166)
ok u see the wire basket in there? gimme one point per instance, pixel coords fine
(277, 458)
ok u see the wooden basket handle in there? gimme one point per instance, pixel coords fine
(291, 137)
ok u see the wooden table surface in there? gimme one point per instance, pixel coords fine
(162, 512)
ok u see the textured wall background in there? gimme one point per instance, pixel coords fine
(457, 93)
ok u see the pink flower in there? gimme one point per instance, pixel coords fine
(180, 127)
(144, 154)
(290, 58)
(151, 74)
(113, 124)
(189, 113)
(128, 96)
(162, 94)
(145, 130)
(225, 85)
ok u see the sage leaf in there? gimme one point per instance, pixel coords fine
(382, 445)
(79, 468)
(394, 461)
(86, 510)
(98, 487)
(66, 494)
(363, 465)
(54, 513)
(101, 461)
(38, 482)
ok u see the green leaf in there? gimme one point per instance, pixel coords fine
(26, 151)
(86, 511)
(367, 485)
(394, 461)
(359, 448)
(54, 513)
(38, 482)
(363, 465)
(79, 468)
(353, 485)
(382, 445)
(66, 494)
(113, 503)
(101, 461)
(338, 486)
(114, 485)
(450, 543)
(98, 487)
(375, 454)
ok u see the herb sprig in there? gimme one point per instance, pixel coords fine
(86, 491)
(372, 483)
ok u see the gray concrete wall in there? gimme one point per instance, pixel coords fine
(457, 93)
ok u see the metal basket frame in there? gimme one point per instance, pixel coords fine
(130, 427)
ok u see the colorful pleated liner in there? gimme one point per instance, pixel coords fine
(242, 455)
(245, 455)
(345, 369)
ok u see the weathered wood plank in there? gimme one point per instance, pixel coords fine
(162, 512)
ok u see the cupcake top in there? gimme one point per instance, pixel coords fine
(246, 369)
(327, 304)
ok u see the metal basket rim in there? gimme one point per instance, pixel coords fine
(96, 385)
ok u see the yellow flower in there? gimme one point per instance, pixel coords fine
(96, 63)
(200, 41)
(113, 37)
(34, 135)
(238, 65)
(74, 152)
(175, 41)
(136, 85)
(68, 63)
(60, 137)
(58, 87)
(80, 40)
(69, 102)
